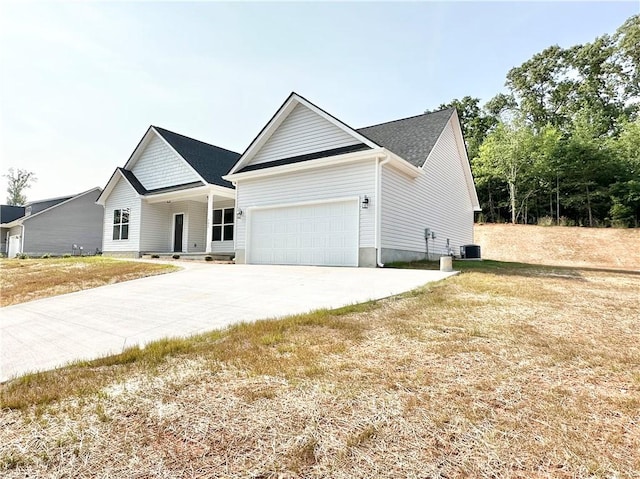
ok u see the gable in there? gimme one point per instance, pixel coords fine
(449, 157)
(209, 161)
(302, 132)
(158, 166)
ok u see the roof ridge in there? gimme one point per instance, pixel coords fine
(407, 118)
(29, 203)
(193, 139)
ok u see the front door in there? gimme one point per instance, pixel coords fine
(177, 233)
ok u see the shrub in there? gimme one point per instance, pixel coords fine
(564, 221)
(22, 256)
(66, 255)
(546, 221)
(155, 256)
(46, 256)
(176, 256)
(208, 258)
(621, 215)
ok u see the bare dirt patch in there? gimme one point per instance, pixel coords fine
(561, 246)
(24, 280)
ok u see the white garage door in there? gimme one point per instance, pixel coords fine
(319, 234)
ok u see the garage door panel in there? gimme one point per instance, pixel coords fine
(318, 234)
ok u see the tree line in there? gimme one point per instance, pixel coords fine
(562, 145)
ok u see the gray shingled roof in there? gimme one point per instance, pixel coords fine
(141, 190)
(8, 213)
(410, 138)
(133, 181)
(210, 161)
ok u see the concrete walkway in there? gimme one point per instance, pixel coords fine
(51, 332)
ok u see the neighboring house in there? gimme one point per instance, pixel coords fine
(312, 190)
(68, 224)
(170, 197)
(8, 213)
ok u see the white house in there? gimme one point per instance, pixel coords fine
(312, 190)
(170, 197)
(308, 190)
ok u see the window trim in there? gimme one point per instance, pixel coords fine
(222, 224)
(120, 224)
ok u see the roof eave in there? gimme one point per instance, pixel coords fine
(403, 165)
(191, 192)
(307, 165)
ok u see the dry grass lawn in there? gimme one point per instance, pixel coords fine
(28, 279)
(561, 246)
(505, 371)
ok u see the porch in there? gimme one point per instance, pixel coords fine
(195, 221)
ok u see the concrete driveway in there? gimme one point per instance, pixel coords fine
(51, 332)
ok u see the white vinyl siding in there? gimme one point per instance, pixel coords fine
(197, 226)
(158, 166)
(438, 199)
(338, 181)
(303, 131)
(122, 196)
(156, 227)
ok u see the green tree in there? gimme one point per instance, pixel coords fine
(475, 122)
(542, 85)
(507, 155)
(18, 181)
(627, 40)
(625, 192)
(589, 169)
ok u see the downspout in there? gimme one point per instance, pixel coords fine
(21, 238)
(209, 222)
(378, 229)
(235, 220)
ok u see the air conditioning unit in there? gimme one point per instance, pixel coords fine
(470, 251)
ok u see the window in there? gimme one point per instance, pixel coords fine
(121, 224)
(223, 224)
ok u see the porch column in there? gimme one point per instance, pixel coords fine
(209, 222)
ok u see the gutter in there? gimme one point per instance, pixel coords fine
(306, 165)
(378, 230)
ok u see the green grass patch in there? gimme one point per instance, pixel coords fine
(248, 345)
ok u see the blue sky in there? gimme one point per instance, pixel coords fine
(81, 82)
